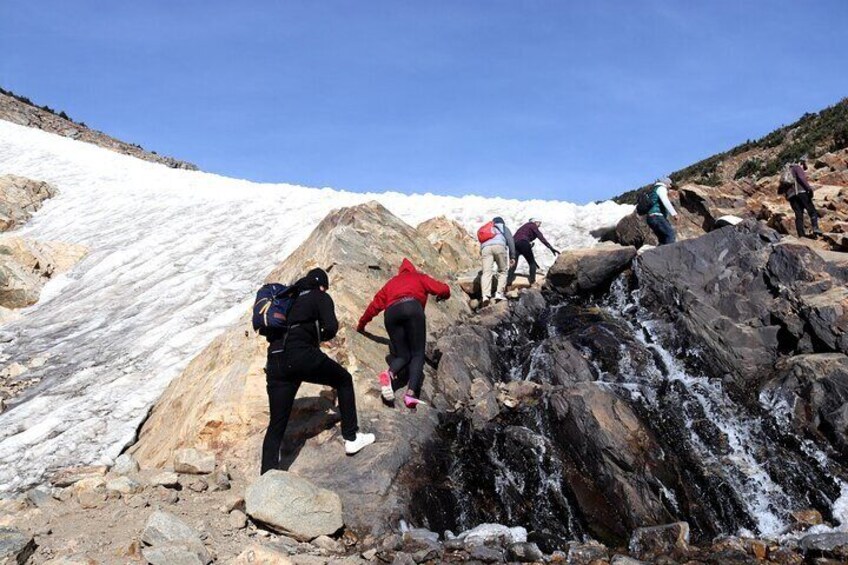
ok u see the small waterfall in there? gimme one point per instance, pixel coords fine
(739, 468)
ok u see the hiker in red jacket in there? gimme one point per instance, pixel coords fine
(404, 298)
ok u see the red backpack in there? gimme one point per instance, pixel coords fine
(486, 232)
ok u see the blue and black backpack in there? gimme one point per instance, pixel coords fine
(646, 199)
(271, 308)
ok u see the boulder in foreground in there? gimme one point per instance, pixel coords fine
(584, 270)
(294, 506)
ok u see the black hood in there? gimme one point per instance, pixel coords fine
(314, 279)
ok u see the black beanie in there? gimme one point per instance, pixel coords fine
(319, 276)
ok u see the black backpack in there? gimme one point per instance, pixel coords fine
(272, 306)
(645, 200)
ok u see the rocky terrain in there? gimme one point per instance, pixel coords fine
(25, 264)
(20, 110)
(548, 414)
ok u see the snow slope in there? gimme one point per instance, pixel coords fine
(175, 257)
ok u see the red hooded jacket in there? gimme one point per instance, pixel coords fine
(407, 283)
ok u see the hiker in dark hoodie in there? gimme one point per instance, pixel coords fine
(295, 356)
(799, 192)
(524, 237)
(403, 298)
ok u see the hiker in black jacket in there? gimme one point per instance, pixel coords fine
(295, 356)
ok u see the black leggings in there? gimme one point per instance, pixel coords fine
(407, 329)
(800, 202)
(523, 248)
(285, 371)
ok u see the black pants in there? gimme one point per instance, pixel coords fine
(285, 371)
(407, 329)
(523, 248)
(800, 202)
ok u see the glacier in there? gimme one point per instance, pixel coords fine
(174, 259)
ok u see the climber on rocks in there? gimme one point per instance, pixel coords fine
(295, 356)
(403, 299)
(797, 189)
(524, 238)
(660, 210)
(497, 247)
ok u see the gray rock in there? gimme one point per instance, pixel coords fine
(15, 546)
(237, 519)
(585, 553)
(163, 528)
(40, 496)
(123, 485)
(648, 543)
(486, 554)
(125, 464)
(167, 479)
(624, 560)
(219, 480)
(831, 544)
(177, 553)
(493, 534)
(586, 270)
(525, 552)
(194, 461)
(402, 558)
(328, 544)
(289, 504)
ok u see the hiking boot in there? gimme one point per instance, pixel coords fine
(499, 296)
(484, 302)
(411, 402)
(354, 446)
(386, 389)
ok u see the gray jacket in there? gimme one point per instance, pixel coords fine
(502, 237)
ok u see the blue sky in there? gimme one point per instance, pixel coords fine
(551, 99)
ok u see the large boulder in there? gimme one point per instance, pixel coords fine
(459, 251)
(617, 461)
(714, 289)
(585, 270)
(293, 506)
(219, 402)
(20, 197)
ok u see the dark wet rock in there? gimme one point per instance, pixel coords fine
(714, 289)
(813, 390)
(15, 546)
(588, 270)
(648, 543)
(609, 443)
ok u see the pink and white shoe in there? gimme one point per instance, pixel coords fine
(386, 389)
(411, 402)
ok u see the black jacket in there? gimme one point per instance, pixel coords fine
(312, 319)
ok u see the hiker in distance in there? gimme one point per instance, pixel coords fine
(404, 298)
(797, 189)
(497, 247)
(295, 356)
(524, 237)
(655, 205)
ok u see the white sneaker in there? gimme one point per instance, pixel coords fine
(499, 296)
(362, 440)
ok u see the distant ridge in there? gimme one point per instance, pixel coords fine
(812, 135)
(21, 110)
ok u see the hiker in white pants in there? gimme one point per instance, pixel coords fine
(500, 251)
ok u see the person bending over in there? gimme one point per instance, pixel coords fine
(524, 248)
(661, 210)
(403, 298)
